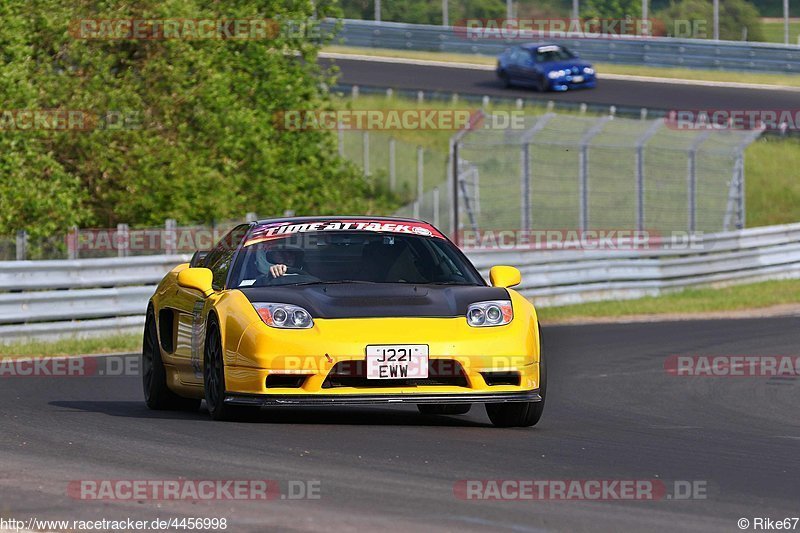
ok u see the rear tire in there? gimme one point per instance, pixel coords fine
(522, 414)
(444, 409)
(157, 394)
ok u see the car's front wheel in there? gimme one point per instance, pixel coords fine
(444, 409)
(520, 414)
(505, 79)
(214, 375)
(157, 394)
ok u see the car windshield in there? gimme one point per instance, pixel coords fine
(546, 54)
(351, 257)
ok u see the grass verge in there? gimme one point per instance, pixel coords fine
(781, 80)
(772, 187)
(705, 300)
(101, 345)
(773, 31)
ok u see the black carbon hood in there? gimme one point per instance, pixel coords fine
(378, 300)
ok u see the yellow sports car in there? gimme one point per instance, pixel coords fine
(342, 311)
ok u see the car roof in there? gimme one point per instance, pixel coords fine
(300, 220)
(534, 46)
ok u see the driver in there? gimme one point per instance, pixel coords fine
(284, 258)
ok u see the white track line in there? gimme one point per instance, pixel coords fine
(622, 77)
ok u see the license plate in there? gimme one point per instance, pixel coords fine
(577, 79)
(397, 361)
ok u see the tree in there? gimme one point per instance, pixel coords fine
(734, 15)
(611, 9)
(201, 140)
(424, 11)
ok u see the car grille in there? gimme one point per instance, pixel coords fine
(501, 378)
(291, 381)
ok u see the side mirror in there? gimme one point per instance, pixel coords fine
(504, 276)
(196, 278)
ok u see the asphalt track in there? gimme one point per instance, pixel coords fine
(612, 413)
(661, 96)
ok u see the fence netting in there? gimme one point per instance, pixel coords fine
(568, 172)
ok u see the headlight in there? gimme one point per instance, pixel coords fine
(553, 74)
(588, 70)
(491, 313)
(284, 316)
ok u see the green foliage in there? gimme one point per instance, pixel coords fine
(33, 184)
(733, 16)
(774, 8)
(611, 9)
(204, 142)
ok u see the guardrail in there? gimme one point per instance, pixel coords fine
(566, 277)
(82, 297)
(651, 51)
(90, 297)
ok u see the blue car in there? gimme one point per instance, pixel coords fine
(546, 67)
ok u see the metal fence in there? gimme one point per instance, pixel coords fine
(652, 51)
(601, 173)
(414, 173)
(96, 297)
(566, 172)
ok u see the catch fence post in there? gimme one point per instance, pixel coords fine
(22, 245)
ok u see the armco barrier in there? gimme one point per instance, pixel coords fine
(90, 297)
(565, 277)
(654, 51)
(82, 298)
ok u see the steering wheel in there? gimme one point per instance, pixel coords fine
(293, 270)
(295, 275)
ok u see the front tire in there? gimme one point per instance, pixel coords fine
(444, 409)
(504, 78)
(214, 375)
(522, 414)
(157, 394)
(543, 85)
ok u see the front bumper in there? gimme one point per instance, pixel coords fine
(565, 84)
(328, 361)
(257, 400)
